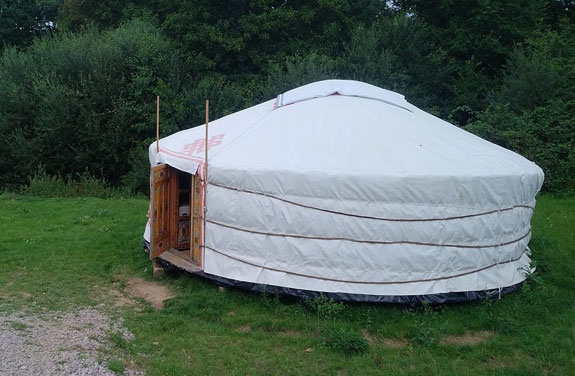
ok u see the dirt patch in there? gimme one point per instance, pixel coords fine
(367, 337)
(394, 343)
(119, 299)
(152, 292)
(291, 333)
(467, 339)
(114, 297)
(244, 329)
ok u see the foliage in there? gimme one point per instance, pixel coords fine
(79, 81)
(423, 333)
(324, 307)
(81, 102)
(85, 185)
(396, 53)
(245, 37)
(484, 30)
(346, 341)
(532, 112)
(22, 20)
(117, 366)
(74, 15)
(543, 134)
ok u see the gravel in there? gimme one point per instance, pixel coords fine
(57, 344)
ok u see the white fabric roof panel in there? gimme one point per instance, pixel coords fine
(338, 184)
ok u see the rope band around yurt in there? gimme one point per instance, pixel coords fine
(373, 217)
(361, 282)
(310, 237)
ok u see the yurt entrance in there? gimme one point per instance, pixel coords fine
(175, 217)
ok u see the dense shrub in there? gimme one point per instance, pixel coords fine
(533, 111)
(83, 185)
(81, 102)
(80, 98)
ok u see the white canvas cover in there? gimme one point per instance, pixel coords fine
(340, 186)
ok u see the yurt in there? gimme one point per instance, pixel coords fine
(344, 189)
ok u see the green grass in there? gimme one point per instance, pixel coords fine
(117, 366)
(18, 326)
(62, 253)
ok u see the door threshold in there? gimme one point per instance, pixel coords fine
(174, 257)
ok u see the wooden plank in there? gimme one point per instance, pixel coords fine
(192, 190)
(158, 124)
(159, 214)
(173, 208)
(177, 258)
(196, 241)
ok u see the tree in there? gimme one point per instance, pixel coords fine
(532, 112)
(79, 103)
(485, 30)
(246, 37)
(22, 20)
(75, 15)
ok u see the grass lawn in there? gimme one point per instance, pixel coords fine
(57, 254)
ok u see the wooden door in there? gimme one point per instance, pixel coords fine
(196, 201)
(160, 212)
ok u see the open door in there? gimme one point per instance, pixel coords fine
(160, 210)
(196, 199)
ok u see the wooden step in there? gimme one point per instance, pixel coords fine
(177, 258)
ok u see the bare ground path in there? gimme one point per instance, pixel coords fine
(55, 344)
(73, 342)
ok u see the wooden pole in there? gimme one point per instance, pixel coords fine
(158, 124)
(206, 173)
(206, 151)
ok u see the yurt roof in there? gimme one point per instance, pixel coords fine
(339, 131)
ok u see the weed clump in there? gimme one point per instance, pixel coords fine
(324, 307)
(346, 341)
(423, 333)
(116, 366)
(85, 185)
